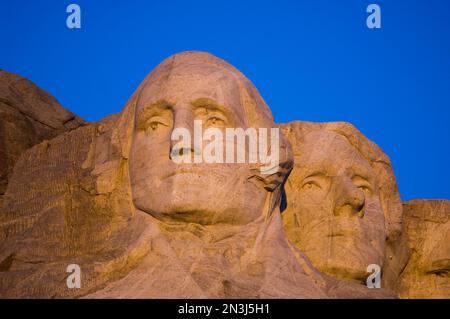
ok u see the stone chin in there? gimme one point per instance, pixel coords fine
(343, 255)
(346, 269)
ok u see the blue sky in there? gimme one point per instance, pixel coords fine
(312, 60)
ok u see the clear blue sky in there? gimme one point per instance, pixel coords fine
(312, 60)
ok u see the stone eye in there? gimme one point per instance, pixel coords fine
(214, 120)
(365, 189)
(310, 185)
(443, 273)
(362, 184)
(156, 123)
(314, 181)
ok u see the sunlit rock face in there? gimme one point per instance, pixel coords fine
(86, 203)
(343, 208)
(28, 115)
(186, 88)
(109, 197)
(207, 238)
(427, 274)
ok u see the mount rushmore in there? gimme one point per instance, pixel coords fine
(109, 197)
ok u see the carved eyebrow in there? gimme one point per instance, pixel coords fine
(151, 109)
(439, 265)
(360, 171)
(318, 171)
(315, 173)
(367, 179)
(204, 102)
(210, 104)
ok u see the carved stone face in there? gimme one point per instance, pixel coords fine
(334, 213)
(198, 192)
(427, 274)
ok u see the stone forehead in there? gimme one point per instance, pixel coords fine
(328, 146)
(192, 76)
(192, 61)
(327, 141)
(296, 132)
(255, 108)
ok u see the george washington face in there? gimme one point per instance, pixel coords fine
(204, 193)
(336, 215)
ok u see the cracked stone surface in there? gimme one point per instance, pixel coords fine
(28, 115)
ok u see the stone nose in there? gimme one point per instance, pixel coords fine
(180, 154)
(183, 136)
(349, 200)
(184, 118)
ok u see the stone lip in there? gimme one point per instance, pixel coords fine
(28, 115)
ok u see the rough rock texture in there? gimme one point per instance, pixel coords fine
(108, 197)
(427, 274)
(28, 115)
